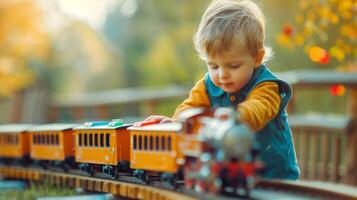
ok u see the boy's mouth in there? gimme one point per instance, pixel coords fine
(226, 84)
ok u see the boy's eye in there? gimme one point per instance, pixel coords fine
(213, 66)
(235, 66)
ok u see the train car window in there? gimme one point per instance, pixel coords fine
(85, 139)
(107, 140)
(52, 139)
(145, 143)
(151, 143)
(57, 139)
(38, 139)
(96, 139)
(169, 143)
(163, 143)
(10, 139)
(134, 142)
(90, 139)
(34, 139)
(157, 143)
(80, 139)
(140, 142)
(42, 139)
(102, 140)
(47, 139)
(17, 139)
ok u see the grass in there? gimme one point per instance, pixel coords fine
(36, 190)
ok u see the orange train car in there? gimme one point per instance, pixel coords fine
(14, 142)
(103, 147)
(52, 142)
(155, 151)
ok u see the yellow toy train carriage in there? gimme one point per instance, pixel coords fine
(103, 147)
(52, 145)
(14, 143)
(155, 152)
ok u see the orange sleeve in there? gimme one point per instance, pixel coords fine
(261, 105)
(198, 98)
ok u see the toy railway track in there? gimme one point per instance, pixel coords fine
(264, 190)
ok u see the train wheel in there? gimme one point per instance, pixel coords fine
(223, 180)
(141, 175)
(170, 180)
(124, 165)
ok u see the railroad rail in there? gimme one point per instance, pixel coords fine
(264, 190)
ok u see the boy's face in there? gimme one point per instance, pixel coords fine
(231, 70)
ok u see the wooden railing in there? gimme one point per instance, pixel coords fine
(320, 144)
(337, 161)
(101, 105)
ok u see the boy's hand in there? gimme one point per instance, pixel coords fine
(160, 118)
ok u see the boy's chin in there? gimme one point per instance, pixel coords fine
(229, 90)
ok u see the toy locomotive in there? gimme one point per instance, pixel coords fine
(206, 150)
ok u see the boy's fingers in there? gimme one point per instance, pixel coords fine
(148, 118)
(166, 120)
(155, 117)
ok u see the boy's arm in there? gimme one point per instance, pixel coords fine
(261, 105)
(198, 98)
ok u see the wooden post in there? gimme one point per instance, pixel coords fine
(350, 175)
(17, 107)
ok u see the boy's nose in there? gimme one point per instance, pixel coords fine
(223, 74)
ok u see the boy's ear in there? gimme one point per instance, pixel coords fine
(259, 58)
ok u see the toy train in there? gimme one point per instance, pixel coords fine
(206, 150)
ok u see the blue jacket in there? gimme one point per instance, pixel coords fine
(276, 148)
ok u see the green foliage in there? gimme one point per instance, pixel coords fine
(157, 42)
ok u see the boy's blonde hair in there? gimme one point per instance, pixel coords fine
(231, 23)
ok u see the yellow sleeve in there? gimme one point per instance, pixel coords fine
(261, 105)
(198, 98)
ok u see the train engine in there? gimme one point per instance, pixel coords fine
(227, 161)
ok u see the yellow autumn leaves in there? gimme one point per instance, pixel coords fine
(22, 40)
(326, 29)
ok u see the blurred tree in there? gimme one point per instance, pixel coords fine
(23, 41)
(172, 56)
(82, 61)
(327, 31)
(157, 41)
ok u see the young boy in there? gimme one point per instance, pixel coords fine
(230, 39)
